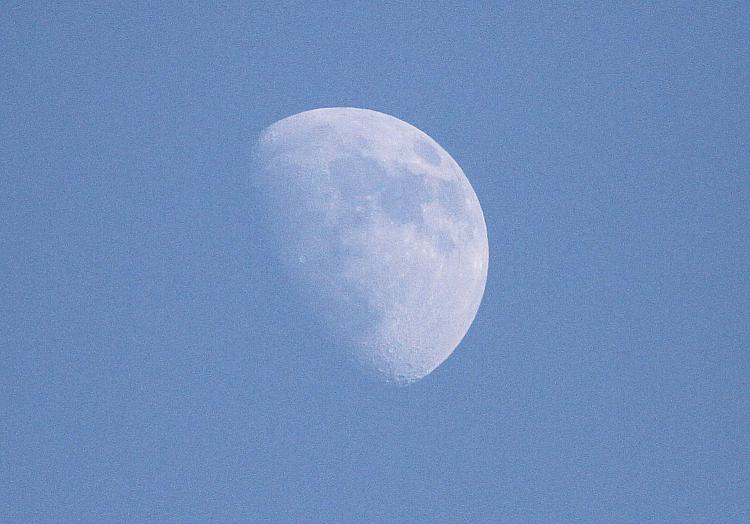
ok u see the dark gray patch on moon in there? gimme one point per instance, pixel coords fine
(366, 186)
(356, 177)
(443, 242)
(427, 152)
(401, 198)
(451, 196)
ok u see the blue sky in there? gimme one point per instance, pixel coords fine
(152, 368)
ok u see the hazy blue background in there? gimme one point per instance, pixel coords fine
(151, 368)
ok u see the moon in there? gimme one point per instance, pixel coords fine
(379, 230)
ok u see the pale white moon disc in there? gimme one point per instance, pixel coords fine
(379, 230)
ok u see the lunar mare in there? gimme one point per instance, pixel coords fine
(380, 231)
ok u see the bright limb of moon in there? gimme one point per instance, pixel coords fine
(381, 232)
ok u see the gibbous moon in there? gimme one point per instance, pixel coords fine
(379, 230)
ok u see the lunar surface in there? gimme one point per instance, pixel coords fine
(379, 230)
